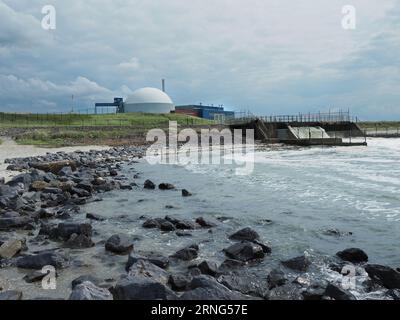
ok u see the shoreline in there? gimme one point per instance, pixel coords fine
(57, 185)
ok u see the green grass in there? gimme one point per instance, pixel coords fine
(9, 120)
(379, 124)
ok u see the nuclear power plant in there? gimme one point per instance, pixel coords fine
(153, 100)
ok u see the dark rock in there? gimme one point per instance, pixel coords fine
(11, 295)
(7, 224)
(394, 294)
(334, 292)
(245, 283)
(245, 251)
(276, 278)
(286, 292)
(178, 282)
(88, 291)
(386, 276)
(85, 186)
(167, 226)
(186, 193)
(35, 276)
(79, 242)
(146, 269)
(113, 173)
(149, 185)
(314, 292)
(95, 217)
(119, 244)
(299, 263)
(141, 288)
(155, 258)
(151, 224)
(64, 231)
(83, 279)
(183, 234)
(166, 186)
(38, 261)
(186, 254)
(354, 255)
(336, 233)
(246, 234)
(65, 171)
(229, 265)
(208, 267)
(206, 288)
(266, 249)
(205, 224)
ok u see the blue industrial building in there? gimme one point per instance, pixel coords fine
(205, 112)
(118, 104)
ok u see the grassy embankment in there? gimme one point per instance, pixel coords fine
(380, 125)
(72, 129)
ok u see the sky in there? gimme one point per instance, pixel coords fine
(269, 57)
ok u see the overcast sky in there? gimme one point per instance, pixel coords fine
(266, 56)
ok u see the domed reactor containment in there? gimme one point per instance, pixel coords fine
(149, 100)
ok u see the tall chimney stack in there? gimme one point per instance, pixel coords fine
(163, 85)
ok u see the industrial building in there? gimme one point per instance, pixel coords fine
(205, 112)
(146, 100)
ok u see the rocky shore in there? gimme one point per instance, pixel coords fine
(42, 207)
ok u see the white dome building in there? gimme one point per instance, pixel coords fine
(149, 100)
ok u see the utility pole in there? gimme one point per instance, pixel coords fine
(72, 101)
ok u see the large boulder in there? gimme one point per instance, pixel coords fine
(54, 167)
(38, 261)
(155, 258)
(335, 292)
(119, 244)
(245, 251)
(18, 222)
(385, 276)
(245, 283)
(300, 263)
(246, 234)
(204, 223)
(146, 269)
(208, 267)
(141, 288)
(166, 186)
(90, 278)
(79, 242)
(88, 291)
(178, 282)
(207, 288)
(354, 255)
(149, 185)
(276, 278)
(64, 231)
(187, 254)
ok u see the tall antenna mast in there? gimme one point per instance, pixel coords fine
(163, 85)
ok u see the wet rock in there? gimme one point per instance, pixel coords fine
(245, 251)
(167, 226)
(276, 278)
(336, 233)
(54, 167)
(229, 265)
(155, 258)
(24, 222)
(11, 295)
(178, 282)
(208, 267)
(146, 269)
(85, 186)
(149, 185)
(24, 178)
(246, 234)
(88, 291)
(65, 171)
(354, 255)
(266, 248)
(95, 217)
(207, 288)
(151, 224)
(79, 242)
(10, 248)
(205, 224)
(300, 263)
(34, 276)
(141, 288)
(186, 193)
(187, 254)
(334, 292)
(314, 292)
(119, 244)
(166, 186)
(286, 292)
(183, 234)
(38, 261)
(64, 231)
(96, 281)
(245, 283)
(384, 275)
(393, 294)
